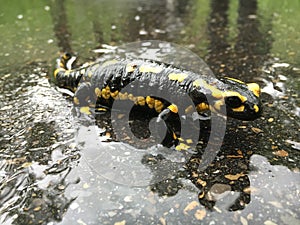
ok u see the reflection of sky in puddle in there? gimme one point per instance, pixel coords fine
(273, 195)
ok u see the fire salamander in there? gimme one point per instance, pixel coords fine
(98, 85)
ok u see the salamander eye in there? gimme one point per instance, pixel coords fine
(233, 101)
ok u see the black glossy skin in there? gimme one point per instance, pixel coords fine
(151, 77)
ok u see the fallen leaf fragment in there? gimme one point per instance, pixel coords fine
(38, 208)
(276, 204)
(234, 156)
(80, 222)
(244, 221)
(200, 214)
(163, 221)
(123, 222)
(201, 182)
(26, 164)
(251, 190)
(269, 222)
(86, 185)
(281, 153)
(234, 176)
(190, 207)
(256, 130)
(181, 147)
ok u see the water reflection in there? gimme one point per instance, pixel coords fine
(35, 155)
(224, 183)
(38, 186)
(242, 57)
(60, 25)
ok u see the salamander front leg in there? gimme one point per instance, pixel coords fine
(170, 116)
(163, 115)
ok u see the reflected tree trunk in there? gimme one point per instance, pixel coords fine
(218, 25)
(251, 47)
(60, 25)
(162, 21)
(98, 32)
(218, 34)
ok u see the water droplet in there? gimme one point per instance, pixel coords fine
(137, 18)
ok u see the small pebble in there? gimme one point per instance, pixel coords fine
(250, 216)
(243, 221)
(123, 222)
(74, 206)
(269, 222)
(86, 185)
(128, 199)
(143, 32)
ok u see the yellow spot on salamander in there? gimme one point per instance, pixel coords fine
(189, 141)
(65, 56)
(254, 87)
(98, 92)
(105, 93)
(150, 102)
(173, 108)
(130, 68)
(182, 146)
(158, 105)
(149, 69)
(85, 110)
(114, 94)
(110, 62)
(189, 109)
(140, 100)
(201, 107)
(175, 136)
(82, 71)
(197, 83)
(256, 108)
(239, 109)
(131, 97)
(57, 71)
(123, 96)
(76, 101)
(179, 139)
(101, 109)
(218, 105)
(178, 76)
(90, 74)
(215, 92)
(236, 80)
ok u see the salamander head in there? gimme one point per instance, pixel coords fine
(242, 99)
